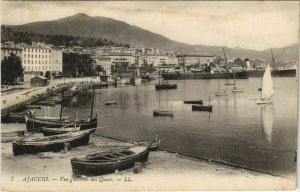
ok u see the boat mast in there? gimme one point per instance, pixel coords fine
(61, 105)
(92, 103)
(273, 59)
(225, 56)
(159, 75)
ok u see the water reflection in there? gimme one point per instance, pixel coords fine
(267, 114)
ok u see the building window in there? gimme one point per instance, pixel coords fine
(24, 61)
(31, 61)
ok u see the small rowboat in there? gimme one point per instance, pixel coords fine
(153, 146)
(50, 143)
(56, 131)
(13, 134)
(114, 102)
(235, 89)
(163, 113)
(109, 162)
(202, 108)
(194, 102)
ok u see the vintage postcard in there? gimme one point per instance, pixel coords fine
(149, 95)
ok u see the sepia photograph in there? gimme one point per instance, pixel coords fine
(149, 95)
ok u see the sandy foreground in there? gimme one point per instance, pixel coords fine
(51, 171)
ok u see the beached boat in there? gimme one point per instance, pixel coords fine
(33, 106)
(154, 144)
(113, 102)
(163, 113)
(35, 124)
(11, 136)
(46, 103)
(267, 89)
(200, 102)
(109, 162)
(61, 130)
(34, 144)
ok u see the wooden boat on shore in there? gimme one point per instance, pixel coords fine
(113, 102)
(163, 113)
(12, 136)
(35, 124)
(50, 143)
(46, 103)
(109, 162)
(200, 102)
(34, 106)
(154, 144)
(61, 130)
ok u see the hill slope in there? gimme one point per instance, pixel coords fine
(81, 25)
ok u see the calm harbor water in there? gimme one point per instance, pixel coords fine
(262, 137)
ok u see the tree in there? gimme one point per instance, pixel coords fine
(78, 64)
(48, 74)
(11, 68)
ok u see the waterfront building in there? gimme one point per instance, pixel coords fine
(192, 59)
(7, 49)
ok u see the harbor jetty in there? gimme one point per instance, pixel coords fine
(30, 95)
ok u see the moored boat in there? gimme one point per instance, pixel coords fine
(202, 108)
(165, 86)
(50, 143)
(163, 113)
(113, 102)
(194, 102)
(109, 162)
(267, 89)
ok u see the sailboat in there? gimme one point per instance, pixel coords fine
(267, 89)
(34, 124)
(165, 85)
(219, 93)
(235, 89)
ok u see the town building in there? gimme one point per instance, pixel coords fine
(6, 50)
(201, 59)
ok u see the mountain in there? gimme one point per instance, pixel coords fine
(81, 25)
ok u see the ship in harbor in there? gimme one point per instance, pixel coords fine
(206, 75)
(277, 72)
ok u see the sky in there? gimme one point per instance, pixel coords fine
(252, 25)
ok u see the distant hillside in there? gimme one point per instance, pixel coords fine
(81, 25)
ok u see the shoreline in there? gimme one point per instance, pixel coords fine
(166, 171)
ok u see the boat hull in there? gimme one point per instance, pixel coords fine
(202, 108)
(274, 73)
(21, 148)
(165, 86)
(228, 75)
(35, 125)
(200, 102)
(163, 113)
(92, 169)
(262, 102)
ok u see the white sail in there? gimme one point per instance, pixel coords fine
(267, 89)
